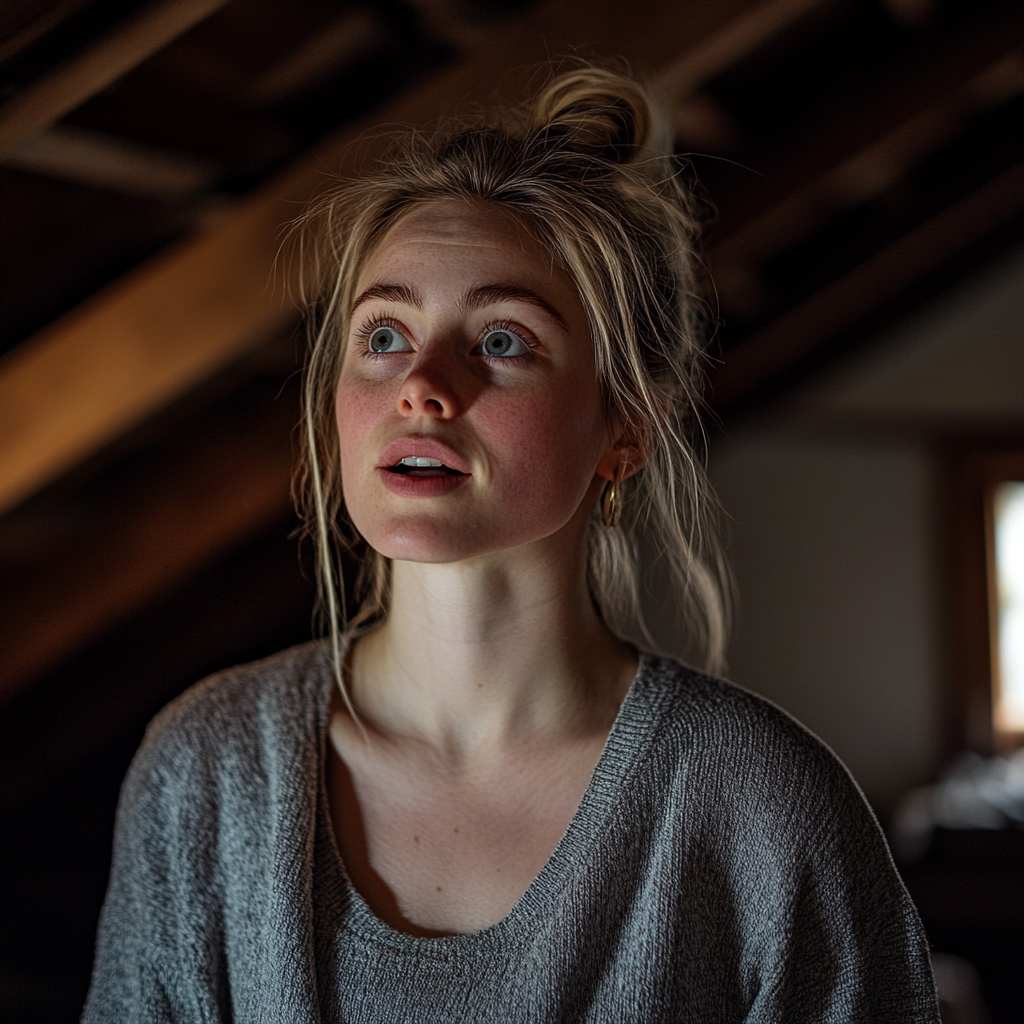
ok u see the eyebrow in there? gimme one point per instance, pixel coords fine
(390, 293)
(487, 294)
(475, 298)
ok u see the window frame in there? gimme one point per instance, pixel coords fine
(973, 600)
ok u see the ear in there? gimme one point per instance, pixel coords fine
(623, 458)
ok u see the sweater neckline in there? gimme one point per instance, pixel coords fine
(629, 739)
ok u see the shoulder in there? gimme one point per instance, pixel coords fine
(742, 755)
(234, 725)
(703, 713)
(277, 685)
(769, 833)
(746, 787)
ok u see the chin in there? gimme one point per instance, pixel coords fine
(454, 534)
(425, 541)
(443, 542)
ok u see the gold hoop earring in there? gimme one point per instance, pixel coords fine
(611, 504)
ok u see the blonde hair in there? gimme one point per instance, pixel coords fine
(587, 167)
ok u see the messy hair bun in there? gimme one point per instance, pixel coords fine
(601, 112)
(586, 168)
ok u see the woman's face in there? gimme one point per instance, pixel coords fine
(468, 407)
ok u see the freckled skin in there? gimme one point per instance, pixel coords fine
(489, 579)
(499, 415)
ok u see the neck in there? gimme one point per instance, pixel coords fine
(490, 653)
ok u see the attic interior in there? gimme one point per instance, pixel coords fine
(862, 163)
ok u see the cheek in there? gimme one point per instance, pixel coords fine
(356, 411)
(548, 447)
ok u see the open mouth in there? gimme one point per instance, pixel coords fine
(420, 466)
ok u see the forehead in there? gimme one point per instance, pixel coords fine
(462, 233)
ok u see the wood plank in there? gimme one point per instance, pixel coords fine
(130, 350)
(97, 160)
(797, 334)
(889, 158)
(126, 47)
(177, 514)
(720, 51)
(160, 330)
(852, 123)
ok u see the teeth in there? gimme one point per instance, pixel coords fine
(419, 462)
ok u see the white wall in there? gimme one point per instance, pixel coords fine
(833, 495)
(832, 545)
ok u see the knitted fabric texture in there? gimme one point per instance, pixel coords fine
(722, 867)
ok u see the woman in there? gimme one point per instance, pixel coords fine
(477, 801)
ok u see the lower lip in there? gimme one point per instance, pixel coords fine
(410, 486)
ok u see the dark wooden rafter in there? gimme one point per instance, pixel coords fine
(172, 324)
(869, 111)
(745, 34)
(189, 313)
(228, 481)
(878, 133)
(126, 47)
(22, 32)
(868, 171)
(798, 333)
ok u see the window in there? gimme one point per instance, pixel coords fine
(1007, 566)
(986, 608)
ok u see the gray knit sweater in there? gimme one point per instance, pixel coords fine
(722, 867)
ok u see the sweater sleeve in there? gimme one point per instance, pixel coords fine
(157, 958)
(845, 943)
(801, 910)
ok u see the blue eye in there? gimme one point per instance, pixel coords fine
(503, 343)
(387, 339)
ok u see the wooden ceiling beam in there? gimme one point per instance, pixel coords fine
(744, 35)
(36, 25)
(68, 87)
(131, 349)
(173, 322)
(70, 153)
(736, 259)
(853, 124)
(178, 513)
(791, 338)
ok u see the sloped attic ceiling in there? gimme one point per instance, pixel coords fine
(861, 156)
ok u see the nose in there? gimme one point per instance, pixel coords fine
(428, 389)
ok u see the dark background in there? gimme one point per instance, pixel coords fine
(839, 155)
